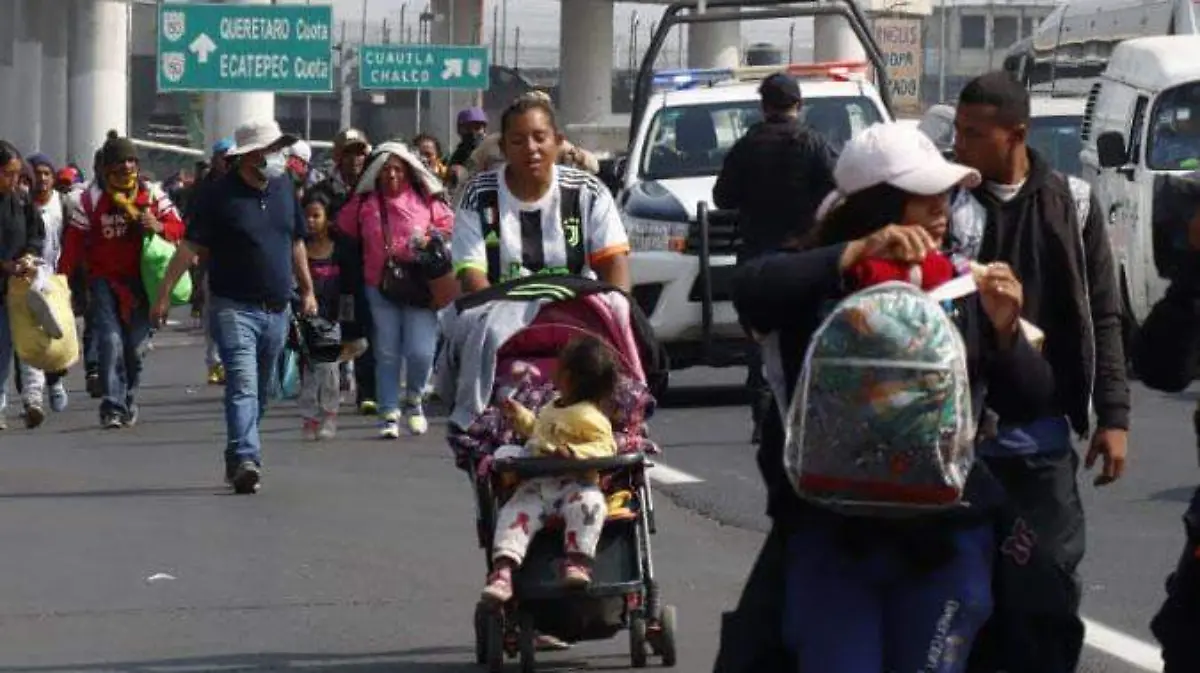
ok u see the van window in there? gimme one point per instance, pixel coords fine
(1137, 128)
(1174, 140)
(1057, 140)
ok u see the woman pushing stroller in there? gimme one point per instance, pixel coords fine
(910, 591)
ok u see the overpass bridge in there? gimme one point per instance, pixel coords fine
(65, 72)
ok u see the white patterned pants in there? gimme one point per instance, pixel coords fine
(320, 394)
(580, 503)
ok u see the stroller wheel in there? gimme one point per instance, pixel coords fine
(527, 642)
(637, 640)
(664, 638)
(494, 641)
(481, 638)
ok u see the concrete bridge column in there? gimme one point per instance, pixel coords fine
(26, 105)
(98, 75)
(585, 61)
(714, 45)
(454, 22)
(834, 40)
(54, 97)
(224, 112)
(8, 41)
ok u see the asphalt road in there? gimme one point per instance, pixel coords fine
(123, 552)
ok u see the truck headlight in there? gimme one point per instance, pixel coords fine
(656, 235)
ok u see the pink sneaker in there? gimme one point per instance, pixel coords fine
(577, 574)
(499, 587)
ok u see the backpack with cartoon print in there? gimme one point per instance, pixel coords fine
(881, 422)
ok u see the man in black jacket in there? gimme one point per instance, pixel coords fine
(1166, 357)
(22, 235)
(775, 176)
(1050, 229)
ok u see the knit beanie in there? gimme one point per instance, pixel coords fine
(117, 150)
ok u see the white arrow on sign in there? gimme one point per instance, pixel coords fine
(475, 67)
(202, 46)
(453, 68)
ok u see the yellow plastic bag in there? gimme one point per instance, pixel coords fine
(34, 347)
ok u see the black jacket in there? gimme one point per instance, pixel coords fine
(22, 231)
(1166, 353)
(1071, 290)
(775, 176)
(786, 292)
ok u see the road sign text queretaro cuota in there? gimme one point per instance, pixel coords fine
(204, 47)
(427, 66)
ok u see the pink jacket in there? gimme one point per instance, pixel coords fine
(410, 217)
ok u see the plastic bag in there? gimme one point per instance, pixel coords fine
(289, 375)
(33, 345)
(156, 258)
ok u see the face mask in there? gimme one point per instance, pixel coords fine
(274, 166)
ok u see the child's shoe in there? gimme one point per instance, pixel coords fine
(499, 587)
(328, 427)
(311, 428)
(576, 574)
(389, 426)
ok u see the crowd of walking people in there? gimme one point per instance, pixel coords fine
(353, 268)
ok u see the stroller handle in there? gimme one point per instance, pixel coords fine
(542, 467)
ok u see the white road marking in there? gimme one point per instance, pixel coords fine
(664, 474)
(1139, 654)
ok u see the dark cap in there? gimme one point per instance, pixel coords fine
(117, 150)
(779, 91)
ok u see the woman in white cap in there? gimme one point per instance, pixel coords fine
(910, 594)
(395, 213)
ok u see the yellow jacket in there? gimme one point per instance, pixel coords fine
(582, 429)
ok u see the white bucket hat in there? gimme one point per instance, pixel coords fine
(416, 168)
(259, 135)
(898, 155)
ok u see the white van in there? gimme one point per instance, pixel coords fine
(1141, 125)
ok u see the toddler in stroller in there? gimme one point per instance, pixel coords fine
(573, 425)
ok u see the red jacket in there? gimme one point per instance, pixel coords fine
(101, 237)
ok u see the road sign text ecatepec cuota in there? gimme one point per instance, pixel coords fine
(204, 47)
(427, 66)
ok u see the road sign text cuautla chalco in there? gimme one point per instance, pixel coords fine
(428, 66)
(204, 47)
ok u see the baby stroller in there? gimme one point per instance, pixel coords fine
(504, 341)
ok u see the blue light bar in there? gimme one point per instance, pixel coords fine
(688, 78)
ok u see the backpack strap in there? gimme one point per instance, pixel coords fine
(570, 205)
(488, 204)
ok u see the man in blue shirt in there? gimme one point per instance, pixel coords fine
(250, 230)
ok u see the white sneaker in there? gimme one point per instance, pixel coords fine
(328, 428)
(389, 427)
(417, 424)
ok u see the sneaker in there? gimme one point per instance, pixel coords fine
(130, 418)
(417, 424)
(111, 421)
(499, 587)
(93, 386)
(368, 408)
(389, 427)
(59, 398)
(577, 575)
(310, 428)
(246, 478)
(34, 415)
(216, 375)
(327, 429)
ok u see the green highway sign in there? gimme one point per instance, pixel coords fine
(423, 66)
(204, 47)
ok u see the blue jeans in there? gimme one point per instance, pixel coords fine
(91, 352)
(119, 348)
(6, 357)
(401, 334)
(870, 613)
(250, 340)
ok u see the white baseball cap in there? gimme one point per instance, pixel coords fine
(900, 156)
(301, 150)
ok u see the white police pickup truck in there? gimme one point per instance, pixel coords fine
(683, 251)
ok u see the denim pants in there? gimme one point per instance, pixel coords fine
(6, 357)
(91, 352)
(871, 612)
(119, 347)
(403, 335)
(250, 340)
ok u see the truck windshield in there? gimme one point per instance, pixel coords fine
(692, 140)
(1056, 138)
(1175, 129)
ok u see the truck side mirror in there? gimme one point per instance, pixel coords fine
(1110, 149)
